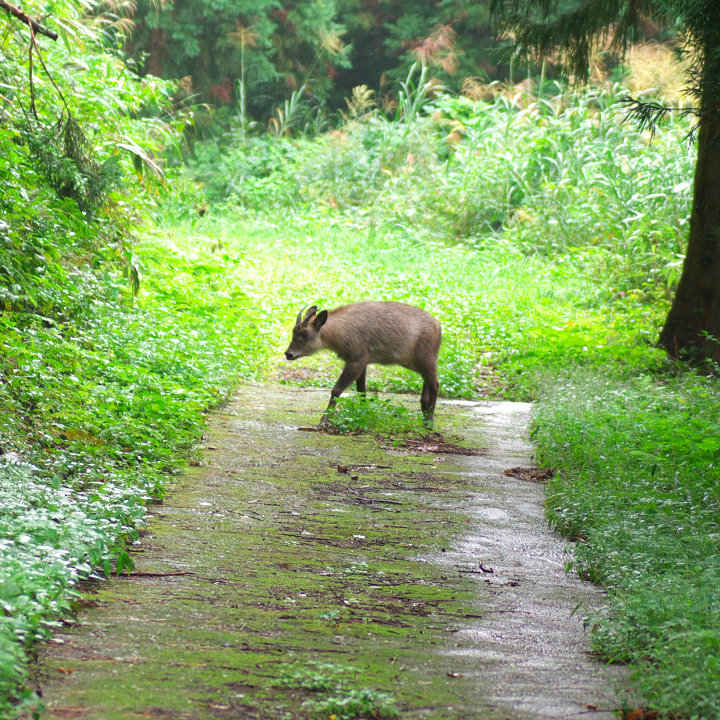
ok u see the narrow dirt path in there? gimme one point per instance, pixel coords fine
(302, 575)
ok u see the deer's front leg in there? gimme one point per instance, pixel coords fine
(351, 372)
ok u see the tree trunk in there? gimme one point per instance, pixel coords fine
(155, 63)
(692, 328)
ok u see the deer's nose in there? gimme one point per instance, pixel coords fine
(289, 355)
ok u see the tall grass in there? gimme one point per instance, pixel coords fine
(562, 174)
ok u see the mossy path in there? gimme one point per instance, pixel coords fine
(300, 574)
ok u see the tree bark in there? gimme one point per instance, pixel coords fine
(155, 63)
(692, 327)
(34, 24)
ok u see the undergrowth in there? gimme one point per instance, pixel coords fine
(102, 408)
(544, 234)
(562, 175)
(639, 489)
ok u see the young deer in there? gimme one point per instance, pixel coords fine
(388, 333)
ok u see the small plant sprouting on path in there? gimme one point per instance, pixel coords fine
(313, 676)
(334, 700)
(367, 414)
(350, 704)
(392, 422)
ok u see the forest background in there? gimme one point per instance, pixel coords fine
(177, 178)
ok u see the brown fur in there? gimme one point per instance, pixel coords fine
(386, 333)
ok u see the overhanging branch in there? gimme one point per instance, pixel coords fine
(648, 114)
(24, 17)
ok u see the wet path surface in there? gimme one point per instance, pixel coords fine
(302, 575)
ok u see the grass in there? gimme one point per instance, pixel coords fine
(639, 489)
(369, 414)
(547, 242)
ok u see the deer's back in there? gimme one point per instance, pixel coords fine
(387, 333)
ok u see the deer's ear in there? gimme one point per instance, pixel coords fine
(320, 319)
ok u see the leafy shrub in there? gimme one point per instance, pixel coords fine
(62, 156)
(77, 463)
(100, 407)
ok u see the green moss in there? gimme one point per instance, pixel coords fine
(284, 558)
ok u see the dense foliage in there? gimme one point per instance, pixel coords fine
(559, 174)
(692, 328)
(544, 232)
(252, 54)
(640, 492)
(228, 51)
(79, 132)
(454, 37)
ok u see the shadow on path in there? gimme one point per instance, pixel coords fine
(303, 575)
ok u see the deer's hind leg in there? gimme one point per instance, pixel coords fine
(429, 394)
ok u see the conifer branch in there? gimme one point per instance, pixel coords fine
(537, 27)
(648, 114)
